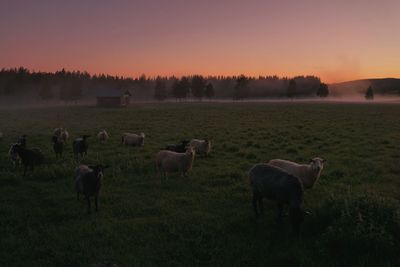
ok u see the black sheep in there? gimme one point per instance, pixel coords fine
(275, 184)
(88, 182)
(29, 157)
(58, 146)
(179, 148)
(80, 146)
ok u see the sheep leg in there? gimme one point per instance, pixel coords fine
(296, 217)
(255, 200)
(95, 202)
(261, 205)
(280, 212)
(88, 202)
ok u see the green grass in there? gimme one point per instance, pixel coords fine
(205, 219)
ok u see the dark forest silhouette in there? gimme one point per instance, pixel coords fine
(72, 86)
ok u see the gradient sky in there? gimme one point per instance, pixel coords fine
(336, 40)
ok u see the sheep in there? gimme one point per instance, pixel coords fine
(180, 148)
(103, 136)
(88, 182)
(308, 173)
(131, 139)
(274, 183)
(29, 157)
(201, 146)
(16, 160)
(169, 161)
(58, 145)
(80, 146)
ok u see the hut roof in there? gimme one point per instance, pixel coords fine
(109, 92)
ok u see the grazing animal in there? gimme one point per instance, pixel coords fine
(80, 146)
(201, 146)
(180, 148)
(131, 139)
(103, 136)
(169, 161)
(16, 160)
(274, 183)
(88, 182)
(29, 157)
(58, 146)
(308, 173)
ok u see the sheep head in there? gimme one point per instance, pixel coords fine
(190, 151)
(98, 169)
(317, 164)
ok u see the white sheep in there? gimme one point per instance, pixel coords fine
(308, 173)
(131, 139)
(169, 161)
(61, 133)
(103, 136)
(201, 146)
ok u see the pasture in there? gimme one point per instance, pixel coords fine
(205, 219)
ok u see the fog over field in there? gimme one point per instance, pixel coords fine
(22, 87)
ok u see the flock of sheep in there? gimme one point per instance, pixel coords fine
(279, 180)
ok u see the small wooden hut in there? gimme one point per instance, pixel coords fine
(112, 98)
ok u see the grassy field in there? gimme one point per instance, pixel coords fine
(206, 218)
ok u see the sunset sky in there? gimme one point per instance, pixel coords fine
(336, 40)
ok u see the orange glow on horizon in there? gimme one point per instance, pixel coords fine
(336, 41)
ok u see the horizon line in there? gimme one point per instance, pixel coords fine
(190, 75)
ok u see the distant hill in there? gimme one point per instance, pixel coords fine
(385, 86)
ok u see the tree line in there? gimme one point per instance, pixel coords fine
(75, 85)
